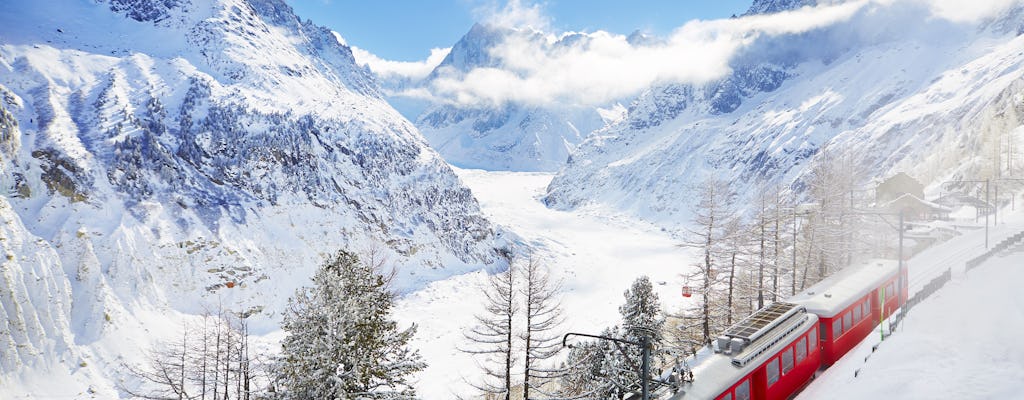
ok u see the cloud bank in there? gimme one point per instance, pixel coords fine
(411, 70)
(605, 67)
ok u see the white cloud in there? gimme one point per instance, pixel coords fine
(608, 67)
(388, 69)
(968, 11)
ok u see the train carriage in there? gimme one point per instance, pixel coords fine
(768, 355)
(773, 353)
(850, 303)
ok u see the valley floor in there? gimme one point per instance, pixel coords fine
(596, 253)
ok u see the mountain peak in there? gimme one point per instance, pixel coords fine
(776, 6)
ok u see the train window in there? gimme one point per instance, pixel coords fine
(727, 396)
(867, 308)
(787, 361)
(773, 371)
(856, 314)
(814, 340)
(847, 321)
(743, 390)
(801, 349)
(837, 328)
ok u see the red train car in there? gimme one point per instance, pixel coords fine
(768, 355)
(851, 303)
(775, 352)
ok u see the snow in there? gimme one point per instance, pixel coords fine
(87, 286)
(962, 342)
(596, 252)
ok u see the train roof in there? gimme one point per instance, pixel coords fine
(833, 294)
(714, 373)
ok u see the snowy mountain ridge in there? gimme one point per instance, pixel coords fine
(895, 87)
(163, 157)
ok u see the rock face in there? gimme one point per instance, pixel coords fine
(930, 99)
(155, 151)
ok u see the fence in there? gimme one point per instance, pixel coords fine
(929, 288)
(1001, 246)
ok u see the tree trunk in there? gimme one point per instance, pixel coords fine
(706, 323)
(732, 273)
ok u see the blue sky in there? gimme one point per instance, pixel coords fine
(406, 30)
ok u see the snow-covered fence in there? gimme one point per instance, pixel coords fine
(998, 248)
(930, 288)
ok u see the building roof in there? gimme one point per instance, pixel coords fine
(833, 294)
(909, 199)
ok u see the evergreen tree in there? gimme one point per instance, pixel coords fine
(342, 343)
(641, 317)
(583, 371)
(610, 370)
(641, 313)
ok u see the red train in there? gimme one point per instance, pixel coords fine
(775, 352)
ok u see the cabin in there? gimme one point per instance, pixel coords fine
(896, 186)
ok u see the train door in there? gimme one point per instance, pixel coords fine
(760, 383)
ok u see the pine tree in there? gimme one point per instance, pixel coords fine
(342, 343)
(641, 318)
(641, 313)
(609, 370)
(583, 371)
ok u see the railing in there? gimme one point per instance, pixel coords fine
(929, 288)
(1002, 246)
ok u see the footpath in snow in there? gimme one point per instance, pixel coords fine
(963, 342)
(596, 254)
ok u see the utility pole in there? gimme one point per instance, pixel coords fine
(988, 203)
(995, 188)
(899, 290)
(793, 271)
(645, 367)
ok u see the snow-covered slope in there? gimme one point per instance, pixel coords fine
(963, 342)
(897, 86)
(173, 155)
(504, 135)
